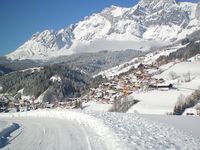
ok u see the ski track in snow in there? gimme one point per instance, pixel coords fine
(76, 130)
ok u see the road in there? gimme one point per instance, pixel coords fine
(51, 134)
(77, 130)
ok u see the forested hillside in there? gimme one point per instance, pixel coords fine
(59, 81)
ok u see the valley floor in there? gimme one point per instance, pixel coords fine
(77, 130)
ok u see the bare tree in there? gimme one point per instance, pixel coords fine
(187, 77)
(181, 99)
(1, 89)
(173, 75)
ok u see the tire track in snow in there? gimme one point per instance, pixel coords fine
(51, 133)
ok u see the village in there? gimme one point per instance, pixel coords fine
(123, 85)
(7, 105)
(140, 78)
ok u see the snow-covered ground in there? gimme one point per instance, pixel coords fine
(49, 134)
(155, 102)
(5, 129)
(47, 129)
(188, 124)
(59, 129)
(175, 72)
(95, 106)
(163, 102)
(182, 68)
(148, 59)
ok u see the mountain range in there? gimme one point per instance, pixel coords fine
(150, 23)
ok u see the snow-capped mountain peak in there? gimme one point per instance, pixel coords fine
(154, 5)
(149, 23)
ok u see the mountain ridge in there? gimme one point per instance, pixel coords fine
(145, 25)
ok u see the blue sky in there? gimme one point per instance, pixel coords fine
(19, 19)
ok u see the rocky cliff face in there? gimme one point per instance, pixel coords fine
(198, 12)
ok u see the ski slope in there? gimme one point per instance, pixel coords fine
(80, 130)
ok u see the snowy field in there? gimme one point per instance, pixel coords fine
(77, 130)
(163, 102)
(147, 59)
(188, 124)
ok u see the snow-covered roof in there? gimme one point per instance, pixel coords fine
(190, 111)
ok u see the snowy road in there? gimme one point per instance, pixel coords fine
(84, 130)
(57, 134)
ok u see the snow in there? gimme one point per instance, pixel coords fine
(44, 45)
(96, 26)
(182, 68)
(162, 32)
(118, 11)
(4, 125)
(95, 106)
(5, 129)
(155, 102)
(40, 98)
(189, 7)
(152, 57)
(191, 111)
(115, 28)
(34, 69)
(47, 133)
(143, 134)
(163, 102)
(188, 124)
(87, 131)
(197, 41)
(55, 78)
(147, 59)
(101, 130)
